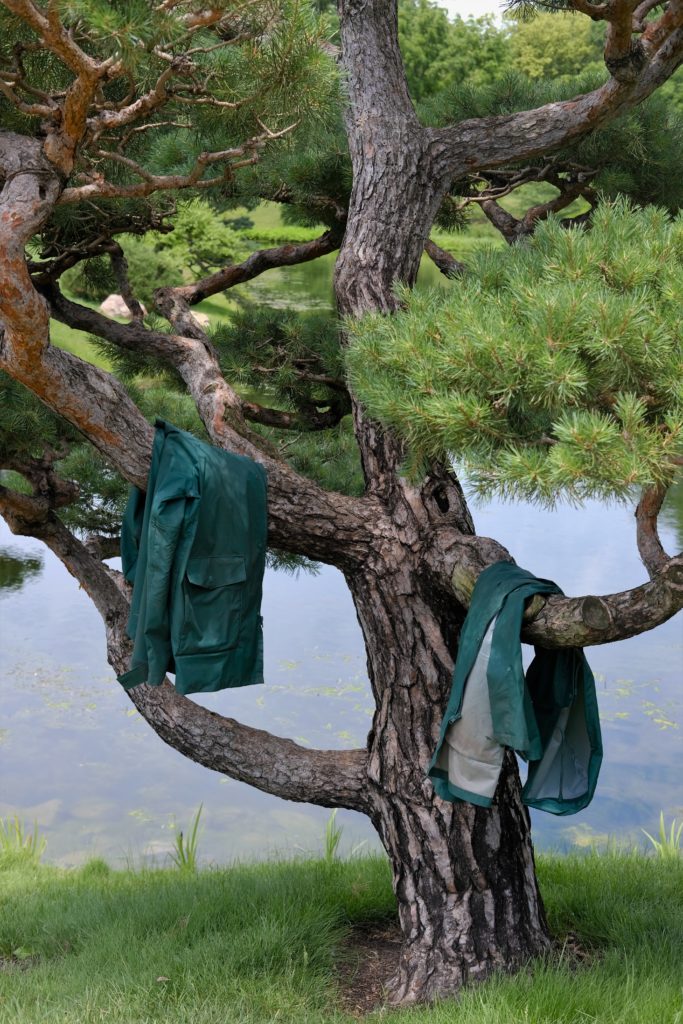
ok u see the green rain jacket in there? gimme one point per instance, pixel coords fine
(549, 717)
(194, 549)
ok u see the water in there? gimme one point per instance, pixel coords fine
(76, 758)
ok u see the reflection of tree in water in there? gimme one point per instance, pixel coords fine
(672, 512)
(16, 569)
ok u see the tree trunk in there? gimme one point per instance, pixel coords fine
(464, 878)
(468, 900)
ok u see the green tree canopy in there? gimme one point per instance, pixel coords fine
(555, 45)
(554, 369)
(439, 51)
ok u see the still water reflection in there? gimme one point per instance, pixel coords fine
(76, 758)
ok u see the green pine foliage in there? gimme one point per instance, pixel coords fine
(330, 458)
(274, 350)
(27, 426)
(638, 154)
(198, 241)
(102, 493)
(554, 370)
(273, 71)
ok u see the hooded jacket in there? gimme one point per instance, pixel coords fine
(194, 549)
(548, 716)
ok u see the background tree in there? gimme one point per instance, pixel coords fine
(112, 114)
(553, 45)
(439, 52)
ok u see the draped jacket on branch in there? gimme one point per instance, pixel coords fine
(194, 548)
(549, 716)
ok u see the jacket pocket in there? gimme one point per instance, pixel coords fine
(213, 592)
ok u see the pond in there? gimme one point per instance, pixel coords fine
(76, 758)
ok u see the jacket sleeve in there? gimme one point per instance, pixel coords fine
(131, 532)
(167, 525)
(164, 529)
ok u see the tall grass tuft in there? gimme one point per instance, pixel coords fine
(17, 844)
(669, 843)
(333, 834)
(184, 856)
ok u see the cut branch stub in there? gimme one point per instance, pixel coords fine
(595, 613)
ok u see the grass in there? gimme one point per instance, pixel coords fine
(258, 943)
(17, 844)
(184, 854)
(669, 843)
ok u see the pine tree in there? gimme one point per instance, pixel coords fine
(551, 366)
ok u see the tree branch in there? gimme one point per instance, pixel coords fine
(312, 420)
(100, 188)
(652, 554)
(491, 142)
(302, 517)
(585, 621)
(29, 190)
(641, 12)
(50, 491)
(119, 265)
(69, 118)
(512, 228)
(106, 120)
(571, 621)
(501, 219)
(598, 12)
(625, 57)
(257, 263)
(330, 778)
(444, 261)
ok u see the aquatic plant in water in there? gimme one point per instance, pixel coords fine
(184, 856)
(669, 843)
(17, 843)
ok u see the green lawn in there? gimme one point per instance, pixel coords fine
(76, 342)
(259, 943)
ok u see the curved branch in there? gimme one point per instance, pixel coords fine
(28, 193)
(571, 621)
(330, 778)
(513, 228)
(257, 263)
(443, 260)
(302, 517)
(652, 554)
(312, 420)
(68, 122)
(493, 141)
(100, 188)
(49, 489)
(585, 621)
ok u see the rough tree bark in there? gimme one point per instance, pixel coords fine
(467, 895)
(464, 877)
